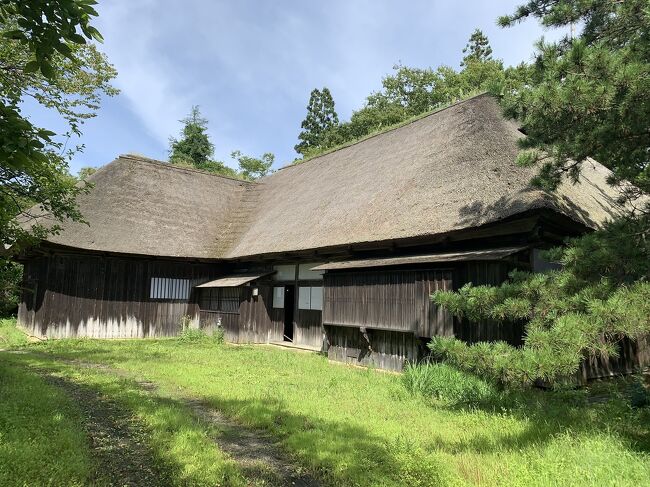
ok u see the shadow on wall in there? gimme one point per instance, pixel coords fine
(104, 297)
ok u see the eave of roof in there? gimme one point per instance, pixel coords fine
(470, 255)
(234, 280)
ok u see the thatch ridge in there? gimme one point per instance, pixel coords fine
(146, 207)
(382, 131)
(170, 165)
(452, 170)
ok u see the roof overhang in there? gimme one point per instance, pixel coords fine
(234, 280)
(470, 255)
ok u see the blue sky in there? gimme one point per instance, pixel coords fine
(250, 65)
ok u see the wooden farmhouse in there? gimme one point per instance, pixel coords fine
(338, 254)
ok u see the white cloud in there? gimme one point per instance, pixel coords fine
(251, 64)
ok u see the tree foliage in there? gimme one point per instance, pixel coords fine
(601, 295)
(44, 55)
(85, 172)
(321, 118)
(478, 49)
(584, 97)
(252, 168)
(409, 92)
(194, 149)
(43, 58)
(587, 96)
(194, 145)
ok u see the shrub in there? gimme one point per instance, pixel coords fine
(446, 383)
(639, 395)
(192, 335)
(218, 336)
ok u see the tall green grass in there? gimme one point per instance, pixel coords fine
(183, 446)
(357, 427)
(446, 383)
(10, 335)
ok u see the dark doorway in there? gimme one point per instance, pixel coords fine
(289, 301)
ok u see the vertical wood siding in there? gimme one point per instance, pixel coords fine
(386, 350)
(309, 328)
(392, 300)
(104, 297)
(256, 324)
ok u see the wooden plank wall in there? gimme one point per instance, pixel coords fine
(81, 295)
(387, 350)
(390, 299)
(256, 324)
(308, 328)
(211, 321)
(634, 355)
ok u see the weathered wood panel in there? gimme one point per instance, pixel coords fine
(84, 295)
(389, 299)
(309, 328)
(634, 355)
(386, 350)
(256, 323)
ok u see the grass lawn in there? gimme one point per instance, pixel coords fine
(357, 427)
(40, 443)
(10, 336)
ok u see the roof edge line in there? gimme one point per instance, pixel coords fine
(169, 165)
(392, 128)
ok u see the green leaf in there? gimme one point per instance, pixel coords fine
(14, 34)
(64, 49)
(77, 39)
(31, 67)
(47, 70)
(95, 34)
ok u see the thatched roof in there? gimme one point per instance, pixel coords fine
(451, 170)
(141, 206)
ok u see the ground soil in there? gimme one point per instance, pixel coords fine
(117, 440)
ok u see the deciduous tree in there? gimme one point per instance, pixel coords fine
(252, 168)
(45, 56)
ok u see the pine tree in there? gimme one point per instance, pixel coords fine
(587, 95)
(321, 118)
(583, 97)
(194, 146)
(477, 49)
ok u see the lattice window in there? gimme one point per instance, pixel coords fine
(169, 288)
(224, 299)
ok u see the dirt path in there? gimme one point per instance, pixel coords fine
(260, 458)
(117, 440)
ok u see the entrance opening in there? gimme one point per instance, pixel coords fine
(289, 301)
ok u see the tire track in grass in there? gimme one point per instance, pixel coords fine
(259, 457)
(117, 439)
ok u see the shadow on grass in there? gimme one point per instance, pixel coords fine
(334, 452)
(340, 451)
(337, 451)
(549, 414)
